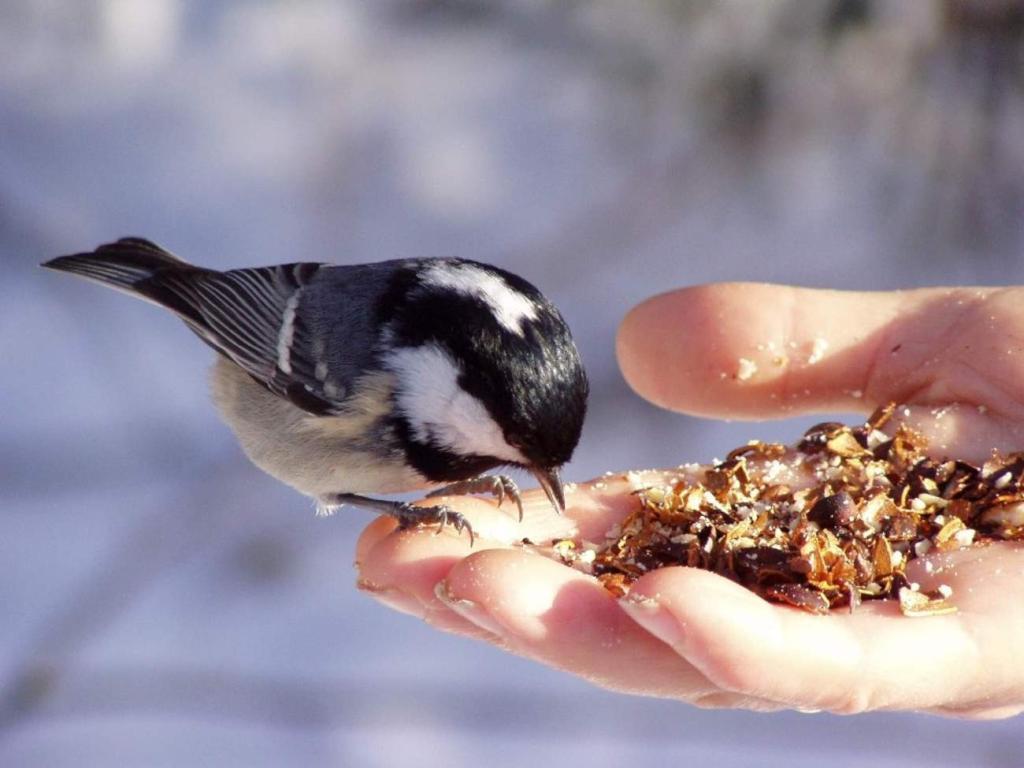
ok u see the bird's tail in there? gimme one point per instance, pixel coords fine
(121, 265)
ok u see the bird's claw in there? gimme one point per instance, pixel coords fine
(443, 515)
(501, 486)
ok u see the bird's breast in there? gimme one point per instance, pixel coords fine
(353, 452)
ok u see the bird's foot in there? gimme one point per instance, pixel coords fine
(500, 485)
(408, 515)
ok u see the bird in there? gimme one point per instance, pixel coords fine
(416, 374)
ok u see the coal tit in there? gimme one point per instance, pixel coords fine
(381, 378)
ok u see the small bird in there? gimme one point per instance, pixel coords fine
(404, 375)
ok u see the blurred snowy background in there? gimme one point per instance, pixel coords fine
(163, 603)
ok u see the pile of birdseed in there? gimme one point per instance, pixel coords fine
(824, 525)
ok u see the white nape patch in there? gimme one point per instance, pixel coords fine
(510, 307)
(287, 332)
(429, 395)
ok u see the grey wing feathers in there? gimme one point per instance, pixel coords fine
(251, 316)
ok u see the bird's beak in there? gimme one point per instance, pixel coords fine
(552, 485)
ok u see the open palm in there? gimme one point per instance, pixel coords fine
(954, 357)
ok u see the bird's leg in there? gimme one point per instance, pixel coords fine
(406, 514)
(500, 485)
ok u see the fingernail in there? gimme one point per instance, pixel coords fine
(655, 618)
(470, 610)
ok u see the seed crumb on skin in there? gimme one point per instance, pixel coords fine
(818, 348)
(745, 369)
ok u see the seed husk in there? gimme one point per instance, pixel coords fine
(826, 524)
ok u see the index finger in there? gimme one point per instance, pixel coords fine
(744, 350)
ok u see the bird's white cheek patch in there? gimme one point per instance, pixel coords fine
(510, 307)
(439, 409)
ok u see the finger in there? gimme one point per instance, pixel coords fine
(599, 504)
(393, 573)
(964, 430)
(985, 581)
(591, 509)
(371, 536)
(979, 713)
(565, 619)
(412, 561)
(875, 658)
(726, 700)
(752, 350)
(499, 523)
(401, 568)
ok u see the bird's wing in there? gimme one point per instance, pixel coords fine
(253, 317)
(306, 331)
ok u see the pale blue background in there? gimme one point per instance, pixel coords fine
(162, 603)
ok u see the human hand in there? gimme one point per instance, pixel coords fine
(955, 357)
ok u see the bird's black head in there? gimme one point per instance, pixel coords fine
(488, 373)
